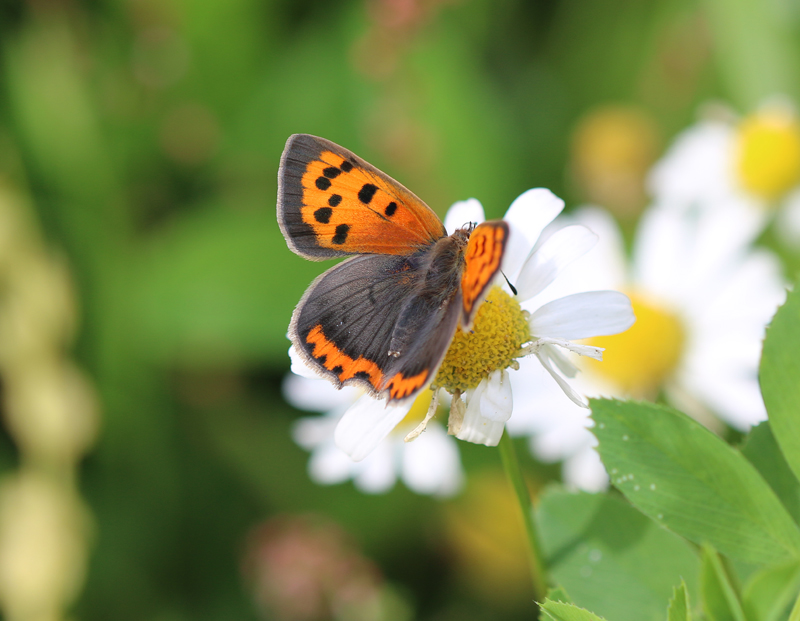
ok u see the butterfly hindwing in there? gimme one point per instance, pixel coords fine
(331, 203)
(484, 257)
(371, 322)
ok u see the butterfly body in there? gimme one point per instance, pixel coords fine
(382, 319)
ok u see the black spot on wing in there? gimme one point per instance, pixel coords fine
(323, 215)
(390, 209)
(341, 234)
(366, 193)
(323, 183)
(334, 199)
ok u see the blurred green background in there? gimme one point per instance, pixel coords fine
(140, 140)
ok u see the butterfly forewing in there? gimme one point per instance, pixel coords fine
(332, 203)
(484, 257)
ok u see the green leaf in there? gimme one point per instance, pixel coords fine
(761, 450)
(769, 592)
(558, 594)
(679, 609)
(780, 378)
(559, 611)
(599, 547)
(720, 600)
(683, 476)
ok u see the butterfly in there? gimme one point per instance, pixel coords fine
(384, 318)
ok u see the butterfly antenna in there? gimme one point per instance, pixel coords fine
(513, 288)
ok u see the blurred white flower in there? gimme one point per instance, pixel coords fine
(429, 465)
(751, 164)
(702, 297)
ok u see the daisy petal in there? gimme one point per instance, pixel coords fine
(539, 403)
(299, 366)
(366, 423)
(463, 212)
(496, 401)
(328, 465)
(518, 247)
(377, 473)
(582, 350)
(696, 166)
(317, 394)
(532, 211)
(547, 261)
(564, 384)
(488, 408)
(431, 464)
(585, 471)
(562, 363)
(527, 217)
(312, 431)
(788, 221)
(583, 315)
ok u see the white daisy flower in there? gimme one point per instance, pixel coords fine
(479, 379)
(532, 262)
(750, 163)
(702, 297)
(431, 465)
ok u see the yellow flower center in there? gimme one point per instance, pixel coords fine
(499, 331)
(768, 152)
(642, 357)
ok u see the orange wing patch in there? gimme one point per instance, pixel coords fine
(343, 366)
(332, 203)
(349, 209)
(400, 386)
(484, 256)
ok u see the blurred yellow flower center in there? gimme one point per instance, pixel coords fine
(642, 357)
(613, 147)
(498, 333)
(768, 152)
(417, 411)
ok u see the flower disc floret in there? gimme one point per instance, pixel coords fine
(495, 341)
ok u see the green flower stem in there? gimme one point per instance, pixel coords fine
(514, 473)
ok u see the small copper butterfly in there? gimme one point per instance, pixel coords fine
(382, 319)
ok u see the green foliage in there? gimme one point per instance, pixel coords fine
(686, 478)
(771, 591)
(560, 611)
(598, 546)
(679, 607)
(721, 601)
(780, 378)
(761, 450)
(559, 594)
